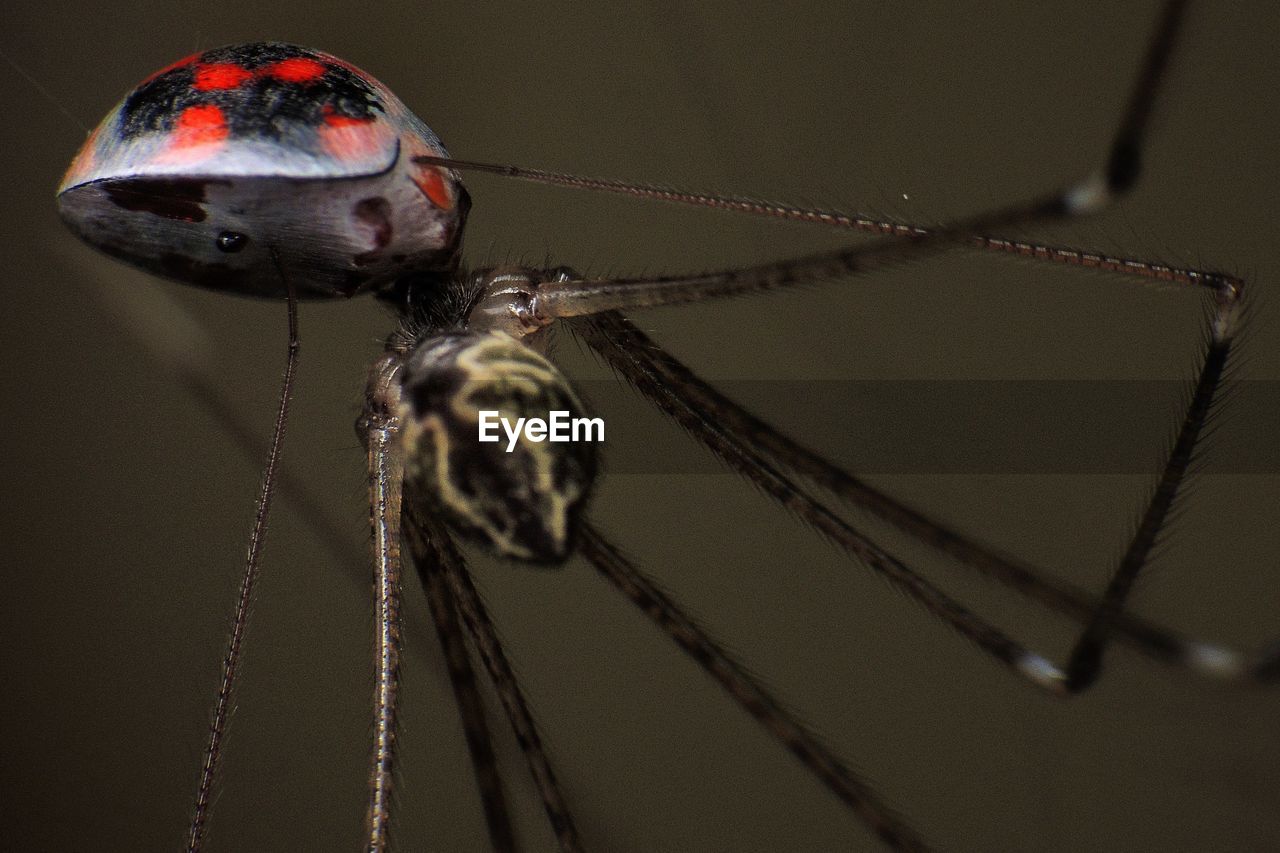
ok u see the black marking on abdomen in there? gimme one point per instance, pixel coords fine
(171, 198)
(374, 214)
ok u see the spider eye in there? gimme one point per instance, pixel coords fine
(231, 241)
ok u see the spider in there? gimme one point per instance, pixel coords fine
(849, 748)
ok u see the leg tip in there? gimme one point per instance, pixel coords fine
(1089, 195)
(1215, 660)
(1042, 672)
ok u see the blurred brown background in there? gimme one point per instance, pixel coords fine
(128, 509)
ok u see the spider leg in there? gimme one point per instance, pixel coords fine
(671, 385)
(577, 298)
(748, 692)
(1085, 662)
(740, 456)
(762, 454)
(861, 222)
(466, 692)
(381, 430)
(428, 543)
(244, 597)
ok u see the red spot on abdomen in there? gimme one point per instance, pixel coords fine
(433, 186)
(197, 127)
(220, 75)
(334, 120)
(200, 125)
(296, 70)
(349, 137)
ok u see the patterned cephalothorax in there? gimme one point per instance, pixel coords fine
(522, 498)
(241, 165)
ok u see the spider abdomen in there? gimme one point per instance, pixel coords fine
(240, 165)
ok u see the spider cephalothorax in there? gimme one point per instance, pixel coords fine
(520, 496)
